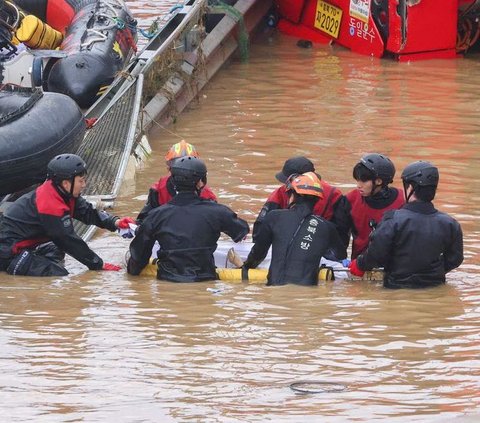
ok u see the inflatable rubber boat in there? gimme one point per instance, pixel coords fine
(34, 127)
(73, 47)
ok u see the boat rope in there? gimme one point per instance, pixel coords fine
(9, 14)
(468, 27)
(163, 127)
(101, 14)
(10, 17)
(243, 39)
(176, 7)
(156, 25)
(468, 33)
(110, 6)
(34, 95)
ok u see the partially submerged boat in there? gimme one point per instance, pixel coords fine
(43, 88)
(73, 47)
(34, 127)
(402, 29)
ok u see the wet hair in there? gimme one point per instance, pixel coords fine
(361, 173)
(425, 193)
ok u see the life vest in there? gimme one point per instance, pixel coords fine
(363, 215)
(323, 207)
(164, 195)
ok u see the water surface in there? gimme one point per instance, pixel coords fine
(105, 346)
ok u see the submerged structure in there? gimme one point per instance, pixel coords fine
(401, 29)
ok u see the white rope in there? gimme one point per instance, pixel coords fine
(101, 37)
(109, 5)
(17, 12)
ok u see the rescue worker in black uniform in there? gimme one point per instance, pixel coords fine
(359, 211)
(298, 238)
(163, 190)
(37, 229)
(417, 244)
(187, 229)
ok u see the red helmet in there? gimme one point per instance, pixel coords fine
(180, 149)
(306, 184)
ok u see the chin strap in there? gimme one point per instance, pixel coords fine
(72, 184)
(199, 190)
(374, 187)
(65, 194)
(405, 186)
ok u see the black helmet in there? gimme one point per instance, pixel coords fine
(381, 166)
(65, 166)
(421, 174)
(187, 171)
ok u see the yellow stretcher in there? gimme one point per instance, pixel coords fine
(259, 276)
(235, 275)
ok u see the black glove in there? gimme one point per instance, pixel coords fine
(245, 268)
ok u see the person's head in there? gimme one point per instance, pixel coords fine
(294, 166)
(69, 173)
(373, 173)
(421, 180)
(189, 174)
(180, 149)
(304, 188)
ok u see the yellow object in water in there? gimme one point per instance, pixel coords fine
(255, 276)
(37, 34)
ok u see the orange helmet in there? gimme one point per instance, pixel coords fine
(180, 149)
(306, 184)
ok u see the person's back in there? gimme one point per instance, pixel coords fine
(423, 250)
(162, 191)
(187, 229)
(298, 238)
(417, 244)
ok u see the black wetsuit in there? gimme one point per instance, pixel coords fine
(299, 240)
(187, 229)
(417, 245)
(162, 192)
(279, 199)
(38, 218)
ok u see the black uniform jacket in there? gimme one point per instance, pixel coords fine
(299, 240)
(187, 229)
(416, 245)
(162, 192)
(46, 215)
